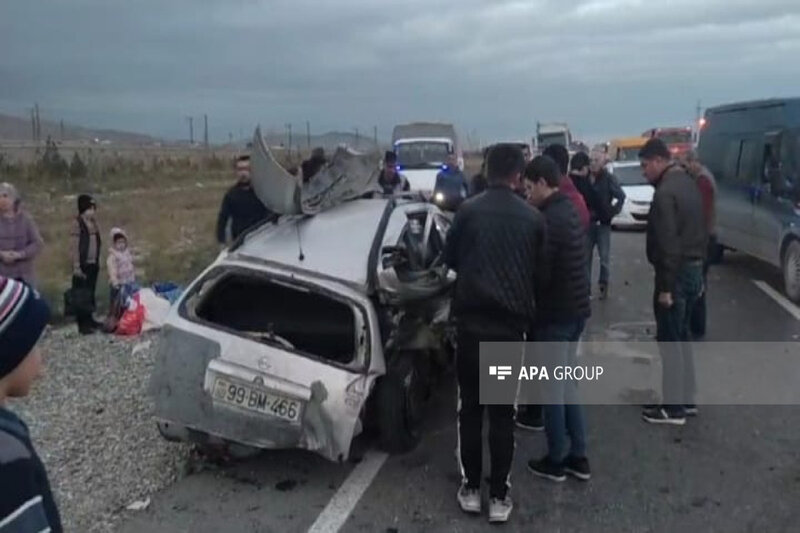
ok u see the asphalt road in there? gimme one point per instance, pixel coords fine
(731, 469)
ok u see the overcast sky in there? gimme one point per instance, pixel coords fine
(492, 67)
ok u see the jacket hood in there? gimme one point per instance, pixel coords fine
(117, 231)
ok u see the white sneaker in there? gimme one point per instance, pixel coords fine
(500, 510)
(469, 500)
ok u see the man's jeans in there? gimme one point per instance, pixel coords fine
(674, 339)
(565, 417)
(600, 236)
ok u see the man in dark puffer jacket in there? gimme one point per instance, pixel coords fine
(495, 245)
(563, 306)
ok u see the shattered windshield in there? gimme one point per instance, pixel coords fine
(422, 154)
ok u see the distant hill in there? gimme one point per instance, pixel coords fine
(329, 141)
(19, 129)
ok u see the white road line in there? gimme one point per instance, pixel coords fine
(346, 498)
(791, 308)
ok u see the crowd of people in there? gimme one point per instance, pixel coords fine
(522, 247)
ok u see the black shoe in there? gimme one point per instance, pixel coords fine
(603, 292)
(578, 467)
(547, 469)
(691, 410)
(659, 415)
(530, 421)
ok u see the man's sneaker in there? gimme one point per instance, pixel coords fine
(530, 419)
(469, 499)
(659, 415)
(578, 467)
(691, 410)
(500, 509)
(547, 469)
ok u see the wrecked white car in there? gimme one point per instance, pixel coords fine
(313, 328)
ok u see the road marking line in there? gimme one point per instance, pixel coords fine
(346, 498)
(791, 308)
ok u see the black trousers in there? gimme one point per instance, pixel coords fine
(84, 313)
(470, 413)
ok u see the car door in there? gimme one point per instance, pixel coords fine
(735, 193)
(776, 194)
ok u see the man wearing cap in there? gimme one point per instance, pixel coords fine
(20, 241)
(390, 180)
(26, 500)
(85, 247)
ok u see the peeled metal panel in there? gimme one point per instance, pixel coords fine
(274, 186)
(347, 176)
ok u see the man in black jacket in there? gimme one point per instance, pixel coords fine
(676, 245)
(604, 198)
(240, 205)
(563, 306)
(495, 244)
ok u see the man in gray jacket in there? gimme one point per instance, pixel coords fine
(677, 234)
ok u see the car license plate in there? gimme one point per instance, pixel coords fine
(255, 399)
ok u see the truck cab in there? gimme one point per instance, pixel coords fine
(422, 152)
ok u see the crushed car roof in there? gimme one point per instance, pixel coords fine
(335, 243)
(346, 176)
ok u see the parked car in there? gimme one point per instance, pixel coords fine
(753, 149)
(638, 195)
(312, 328)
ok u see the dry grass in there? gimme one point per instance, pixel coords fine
(167, 204)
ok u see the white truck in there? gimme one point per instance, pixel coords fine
(422, 150)
(552, 133)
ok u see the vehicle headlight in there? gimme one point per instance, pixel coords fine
(438, 197)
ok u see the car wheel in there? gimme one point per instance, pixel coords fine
(400, 398)
(791, 270)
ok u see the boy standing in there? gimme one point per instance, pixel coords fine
(26, 501)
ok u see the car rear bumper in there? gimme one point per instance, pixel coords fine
(185, 408)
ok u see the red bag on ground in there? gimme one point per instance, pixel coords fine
(132, 320)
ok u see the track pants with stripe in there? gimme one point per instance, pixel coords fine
(470, 414)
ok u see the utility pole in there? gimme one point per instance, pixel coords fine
(205, 130)
(230, 137)
(375, 136)
(356, 138)
(289, 134)
(696, 128)
(62, 129)
(38, 124)
(33, 124)
(191, 129)
(308, 134)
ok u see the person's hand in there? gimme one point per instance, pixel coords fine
(665, 299)
(78, 273)
(6, 257)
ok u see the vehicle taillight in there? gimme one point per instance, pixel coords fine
(703, 122)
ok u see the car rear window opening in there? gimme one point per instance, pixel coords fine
(274, 313)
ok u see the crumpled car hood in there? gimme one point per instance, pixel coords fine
(346, 176)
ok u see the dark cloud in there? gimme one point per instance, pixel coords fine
(493, 67)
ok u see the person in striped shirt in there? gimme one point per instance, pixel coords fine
(26, 501)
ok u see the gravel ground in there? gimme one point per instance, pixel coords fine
(91, 419)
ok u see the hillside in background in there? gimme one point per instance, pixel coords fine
(20, 129)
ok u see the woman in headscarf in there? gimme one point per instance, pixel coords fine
(20, 241)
